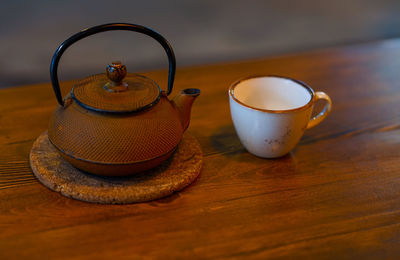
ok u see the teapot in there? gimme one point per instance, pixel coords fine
(118, 123)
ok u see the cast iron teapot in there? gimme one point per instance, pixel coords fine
(118, 123)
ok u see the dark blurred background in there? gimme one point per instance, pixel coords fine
(204, 31)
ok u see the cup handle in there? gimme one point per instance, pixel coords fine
(325, 111)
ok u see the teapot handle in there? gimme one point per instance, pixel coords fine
(110, 27)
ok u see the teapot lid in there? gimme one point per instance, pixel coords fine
(116, 91)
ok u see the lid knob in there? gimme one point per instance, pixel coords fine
(116, 72)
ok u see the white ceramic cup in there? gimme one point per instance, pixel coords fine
(271, 113)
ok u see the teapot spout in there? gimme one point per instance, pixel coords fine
(183, 101)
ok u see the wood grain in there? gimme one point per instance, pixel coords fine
(335, 196)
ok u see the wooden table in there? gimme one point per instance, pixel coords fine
(337, 195)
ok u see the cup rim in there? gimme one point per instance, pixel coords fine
(301, 83)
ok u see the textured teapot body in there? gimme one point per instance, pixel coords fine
(122, 144)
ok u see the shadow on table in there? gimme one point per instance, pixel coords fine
(225, 141)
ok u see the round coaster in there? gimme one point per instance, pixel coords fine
(172, 175)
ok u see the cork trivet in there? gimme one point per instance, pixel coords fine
(172, 175)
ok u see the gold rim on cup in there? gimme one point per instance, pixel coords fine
(304, 85)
